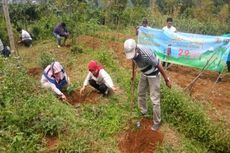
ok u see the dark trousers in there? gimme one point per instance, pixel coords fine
(27, 42)
(228, 65)
(102, 87)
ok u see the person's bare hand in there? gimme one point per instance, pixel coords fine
(82, 90)
(63, 97)
(114, 89)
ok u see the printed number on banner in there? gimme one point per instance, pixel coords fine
(183, 52)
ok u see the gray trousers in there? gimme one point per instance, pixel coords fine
(153, 84)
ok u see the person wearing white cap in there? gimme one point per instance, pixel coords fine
(55, 77)
(150, 66)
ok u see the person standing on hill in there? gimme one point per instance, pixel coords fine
(144, 24)
(55, 77)
(98, 78)
(61, 31)
(25, 37)
(150, 67)
(169, 28)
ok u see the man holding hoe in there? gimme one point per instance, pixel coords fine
(150, 67)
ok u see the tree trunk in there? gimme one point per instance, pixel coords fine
(9, 27)
(152, 4)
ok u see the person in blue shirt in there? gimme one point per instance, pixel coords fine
(61, 31)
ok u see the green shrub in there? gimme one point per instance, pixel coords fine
(76, 49)
(45, 59)
(27, 113)
(188, 117)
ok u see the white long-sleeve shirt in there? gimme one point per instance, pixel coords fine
(103, 77)
(47, 84)
(171, 29)
(25, 35)
(1, 45)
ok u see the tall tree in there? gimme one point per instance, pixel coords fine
(9, 27)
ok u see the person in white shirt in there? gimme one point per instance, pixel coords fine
(98, 78)
(25, 37)
(169, 28)
(169, 25)
(1, 46)
(144, 24)
(55, 77)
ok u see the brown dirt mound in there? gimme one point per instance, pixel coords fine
(89, 41)
(52, 143)
(117, 47)
(114, 36)
(35, 72)
(89, 96)
(205, 89)
(119, 50)
(142, 140)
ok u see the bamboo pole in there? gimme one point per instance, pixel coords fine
(9, 27)
(196, 78)
(211, 89)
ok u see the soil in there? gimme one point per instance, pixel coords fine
(117, 47)
(52, 142)
(35, 72)
(205, 89)
(89, 96)
(140, 140)
(90, 41)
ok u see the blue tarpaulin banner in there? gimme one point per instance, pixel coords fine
(194, 50)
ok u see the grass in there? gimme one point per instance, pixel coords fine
(92, 128)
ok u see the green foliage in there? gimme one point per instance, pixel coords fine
(77, 144)
(12, 94)
(71, 88)
(45, 59)
(134, 16)
(81, 18)
(3, 31)
(186, 146)
(190, 119)
(26, 13)
(28, 113)
(76, 49)
(43, 28)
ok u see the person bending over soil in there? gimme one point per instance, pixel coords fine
(98, 78)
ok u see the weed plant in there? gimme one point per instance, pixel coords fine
(28, 113)
(189, 118)
(45, 59)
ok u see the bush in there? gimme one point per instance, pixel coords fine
(189, 118)
(76, 49)
(45, 59)
(27, 114)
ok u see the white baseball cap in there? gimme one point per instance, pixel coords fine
(57, 67)
(130, 46)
